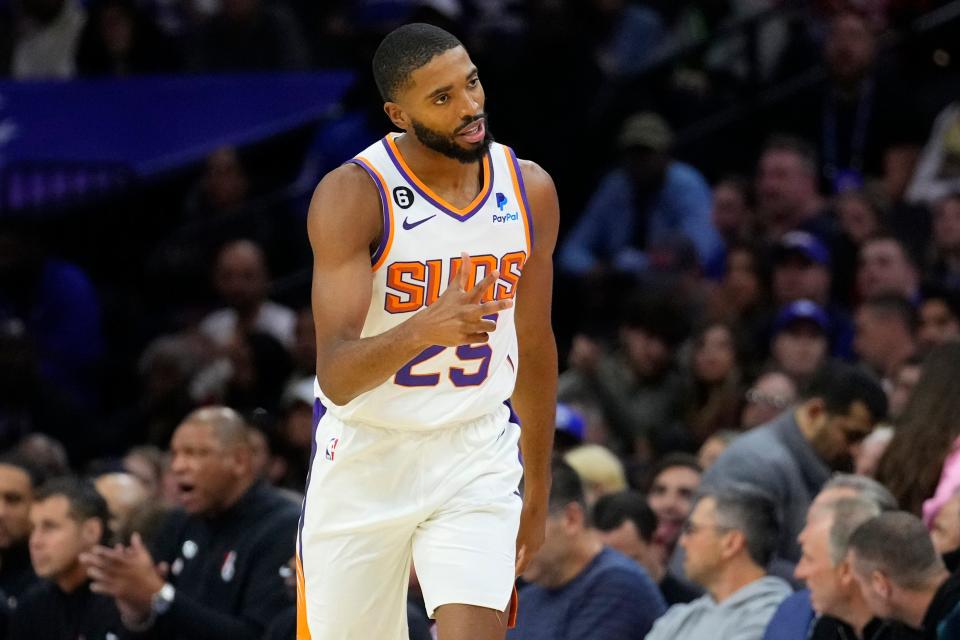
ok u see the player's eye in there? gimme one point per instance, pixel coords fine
(441, 99)
(473, 83)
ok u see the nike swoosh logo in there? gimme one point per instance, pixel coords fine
(410, 225)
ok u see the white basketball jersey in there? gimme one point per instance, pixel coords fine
(419, 253)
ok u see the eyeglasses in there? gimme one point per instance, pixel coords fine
(758, 397)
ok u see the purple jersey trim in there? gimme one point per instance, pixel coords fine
(384, 207)
(434, 201)
(318, 412)
(523, 194)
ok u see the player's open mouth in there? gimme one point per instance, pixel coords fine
(186, 489)
(475, 132)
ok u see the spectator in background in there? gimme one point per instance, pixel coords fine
(770, 395)
(858, 116)
(714, 386)
(886, 268)
(627, 523)
(732, 217)
(242, 282)
(946, 241)
(801, 271)
(69, 518)
(125, 496)
(674, 481)
(729, 539)
(57, 305)
(120, 40)
(795, 619)
(232, 532)
(304, 348)
(800, 344)
(714, 446)
(147, 464)
(939, 319)
(900, 574)
(867, 459)
(742, 296)
(861, 217)
(937, 173)
(650, 198)
(250, 35)
(886, 326)
(904, 381)
(945, 532)
(792, 457)
(637, 389)
(788, 195)
(570, 429)
(921, 464)
(259, 368)
(824, 567)
(19, 479)
(47, 34)
(628, 35)
(600, 471)
(578, 588)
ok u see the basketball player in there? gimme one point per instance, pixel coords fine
(431, 296)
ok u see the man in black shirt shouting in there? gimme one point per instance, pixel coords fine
(214, 571)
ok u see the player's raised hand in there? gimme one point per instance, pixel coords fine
(457, 317)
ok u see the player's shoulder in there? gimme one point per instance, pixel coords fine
(346, 192)
(534, 174)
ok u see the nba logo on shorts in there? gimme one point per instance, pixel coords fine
(331, 448)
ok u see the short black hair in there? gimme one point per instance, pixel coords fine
(897, 543)
(839, 385)
(612, 510)
(669, 461)
(85, 503)
(405, 50)
(35, 472)
(566, 487)
(891, 305)
(750, 510)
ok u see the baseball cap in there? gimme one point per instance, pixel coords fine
(647, 130)
(801, 310)
(570, 422)
(804, 243)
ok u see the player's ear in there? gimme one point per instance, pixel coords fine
(396, 115)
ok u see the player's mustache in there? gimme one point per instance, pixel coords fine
(469, 121)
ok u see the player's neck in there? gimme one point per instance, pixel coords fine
(437, 171)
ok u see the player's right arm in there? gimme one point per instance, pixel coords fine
(343, 223)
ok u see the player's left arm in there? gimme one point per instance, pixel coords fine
(535, 394)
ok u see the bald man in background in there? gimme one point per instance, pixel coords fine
(223, 548)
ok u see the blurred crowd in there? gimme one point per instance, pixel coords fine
(758, 430)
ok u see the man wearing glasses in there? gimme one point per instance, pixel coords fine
(728, 539)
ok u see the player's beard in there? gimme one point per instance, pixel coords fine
(448, 145)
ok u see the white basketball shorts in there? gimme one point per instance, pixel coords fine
(377, 498)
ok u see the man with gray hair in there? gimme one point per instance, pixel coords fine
(900, 574)
(798, 617)
(729, 539)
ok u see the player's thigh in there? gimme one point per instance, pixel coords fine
(354, 586)
(465, 552)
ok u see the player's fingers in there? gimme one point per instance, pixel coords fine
(484, 285)
(521, 560)
(477, 338)
(495, 306)
(463, 277)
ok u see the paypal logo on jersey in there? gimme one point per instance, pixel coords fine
(501, 201)
(505, 218)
